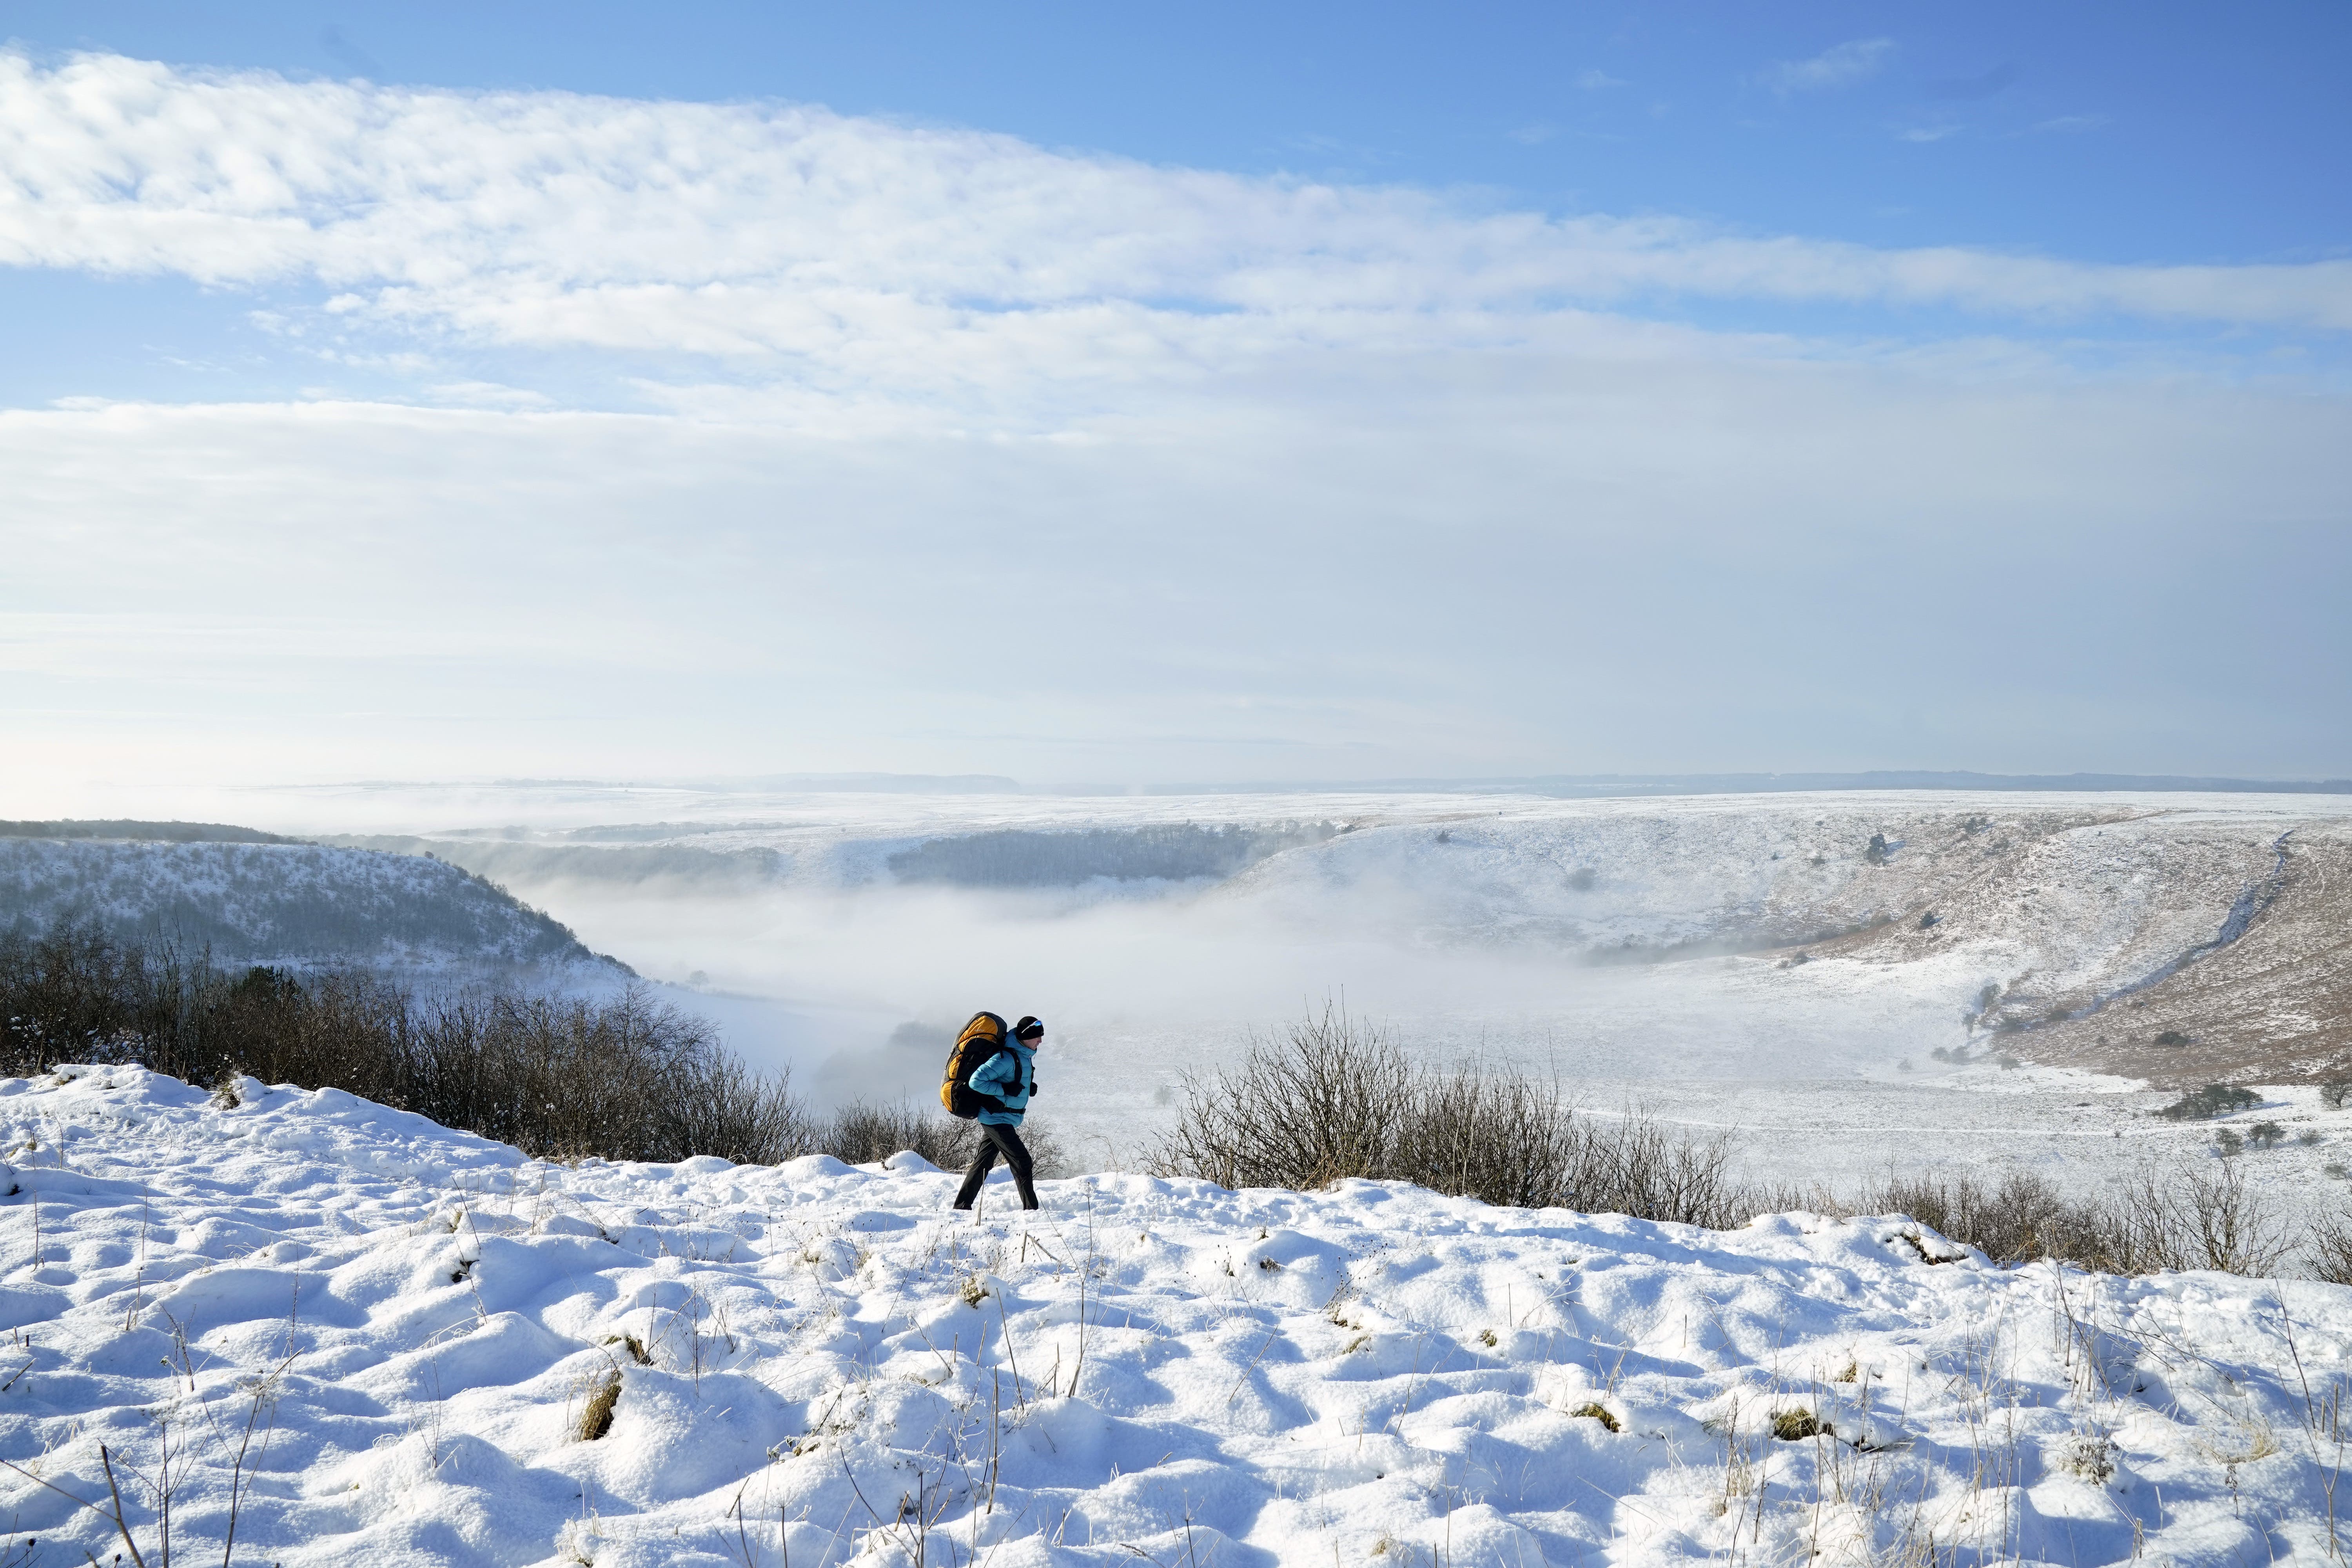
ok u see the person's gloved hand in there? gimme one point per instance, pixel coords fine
(1033, 1083)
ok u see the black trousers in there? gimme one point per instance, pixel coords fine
(996, 1140)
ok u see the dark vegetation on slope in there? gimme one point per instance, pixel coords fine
(1019, 857)
(625, 1077)
(255, 901)
(1333, 1098)
(150, 832)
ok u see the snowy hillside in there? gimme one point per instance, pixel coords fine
(447, 1354)
(278, 902)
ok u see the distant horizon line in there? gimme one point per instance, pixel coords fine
(1572, 786)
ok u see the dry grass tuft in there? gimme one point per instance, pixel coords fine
(1796, 1426)
(596, 1415)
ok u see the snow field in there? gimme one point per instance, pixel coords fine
(820, 1357)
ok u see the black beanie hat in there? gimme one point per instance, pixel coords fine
(1028, 1028)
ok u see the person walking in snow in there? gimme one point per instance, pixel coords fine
(1004, 1083)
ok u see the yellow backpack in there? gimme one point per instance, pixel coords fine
(980, 1040)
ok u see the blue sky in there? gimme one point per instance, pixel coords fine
(1357, 390)
(2102, 132)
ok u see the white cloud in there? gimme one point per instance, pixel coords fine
(1592, 79)
(1602, 553)
(1857, 59)
(866, 258)
(1366, 481)
(487, 394)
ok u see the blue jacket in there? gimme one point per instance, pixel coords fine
(1006, 1075)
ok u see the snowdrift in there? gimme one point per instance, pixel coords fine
(447, 1354)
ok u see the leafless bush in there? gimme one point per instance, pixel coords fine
(1045, 1152)
(2205, 1215)
(1316, 1107)
(1335, 1098)
(863, 1132)
(2200, 1215)
(2331, 1249)
(624, 1076)
(68, 995)
(737, 1114)
(2017, 1219)
(1633, 1165)
(1486, 1135)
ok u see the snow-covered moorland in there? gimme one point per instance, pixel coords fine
(444, 1353)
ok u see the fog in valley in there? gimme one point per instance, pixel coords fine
(1846, 964)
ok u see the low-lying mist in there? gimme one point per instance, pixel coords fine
(857, 989)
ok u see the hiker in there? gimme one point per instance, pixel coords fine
(1003, 1085)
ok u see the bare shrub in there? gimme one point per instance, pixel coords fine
(626, 1076)
(1633, 1165)
(862, 1133)
(2331, 1249)
(66, 996)
(740, 1115)
(1316, 1107)
(2017, 1219)
(2206, 1215)
(1045, 1152)
(2201, 1214)
(1479, 1134)
(1335, 1098)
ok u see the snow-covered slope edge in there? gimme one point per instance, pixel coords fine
(278, 903)
(1149, 1369)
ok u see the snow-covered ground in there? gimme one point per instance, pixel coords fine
(821, 1362)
